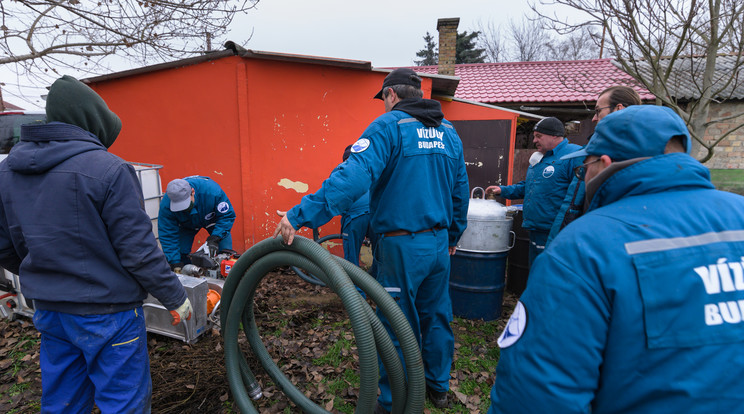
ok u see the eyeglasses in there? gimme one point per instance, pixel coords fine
(580, 171)
(598, 110)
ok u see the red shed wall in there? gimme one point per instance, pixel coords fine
(269, 132)
(184, 119)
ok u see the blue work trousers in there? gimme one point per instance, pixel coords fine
(87, 358)
(415, 269)
(538, 240)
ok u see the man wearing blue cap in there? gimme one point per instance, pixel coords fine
(638, 306)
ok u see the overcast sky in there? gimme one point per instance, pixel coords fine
(384, 32)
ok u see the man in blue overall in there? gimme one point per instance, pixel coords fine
(74, 228)
(638, 305)
(189, 205)
(544, 188)
(411, 160)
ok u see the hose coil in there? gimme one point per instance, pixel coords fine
(408, 385)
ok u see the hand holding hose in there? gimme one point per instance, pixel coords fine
(285, 228)
(183, 312)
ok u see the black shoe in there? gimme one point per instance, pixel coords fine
(381, 410)
(438, 398)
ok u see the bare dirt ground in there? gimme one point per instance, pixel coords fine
(298, 321)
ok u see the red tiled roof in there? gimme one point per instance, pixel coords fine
(523, 82)
(10, 107)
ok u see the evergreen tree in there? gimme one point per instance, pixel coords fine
(465, 49)
(428, 54)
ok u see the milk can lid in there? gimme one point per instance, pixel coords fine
(485, 209)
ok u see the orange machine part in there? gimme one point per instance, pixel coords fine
(212, 298)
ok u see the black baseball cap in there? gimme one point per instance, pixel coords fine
(400, 76)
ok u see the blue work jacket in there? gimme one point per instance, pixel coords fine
(415, 174)
(211, 208)
(637, 306)
(544, 188)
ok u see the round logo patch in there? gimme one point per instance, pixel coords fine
(223, 207)
(209, 216)
(515, 327)
(549, 171)
(359, 146)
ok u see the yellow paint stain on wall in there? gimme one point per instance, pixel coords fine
(294, 185)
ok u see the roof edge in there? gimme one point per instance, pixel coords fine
(501, 108)
(233, 49)
(161, 66)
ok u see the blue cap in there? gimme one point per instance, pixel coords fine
(635, 132)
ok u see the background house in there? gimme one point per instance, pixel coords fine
(568, 91)
(684, 86)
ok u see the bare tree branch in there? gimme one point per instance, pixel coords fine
(85, 32)
(492, 41)
(671, 47)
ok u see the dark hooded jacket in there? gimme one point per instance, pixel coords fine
(72, 218)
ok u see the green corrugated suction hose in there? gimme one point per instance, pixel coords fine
(370, 335)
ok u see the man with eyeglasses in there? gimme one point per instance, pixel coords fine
(610, 100)
(638, 306)
(546, 183)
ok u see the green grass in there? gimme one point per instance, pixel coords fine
(728, 180)
(339, 352)
(337, 385)
(20, 350)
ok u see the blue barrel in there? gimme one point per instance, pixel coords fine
(477, 284)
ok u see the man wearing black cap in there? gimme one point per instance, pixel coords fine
(638, 305)
(544, 188)
(74, 228)
(411, 160)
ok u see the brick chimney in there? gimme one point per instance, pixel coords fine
(447, 43)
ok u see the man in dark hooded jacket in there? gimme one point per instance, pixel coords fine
(73, 226)
(411, 161)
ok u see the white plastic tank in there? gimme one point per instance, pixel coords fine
(152, 190)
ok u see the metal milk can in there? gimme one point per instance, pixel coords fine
(489, 227)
